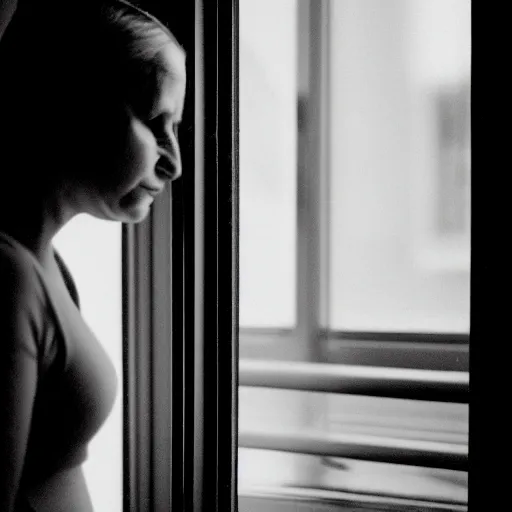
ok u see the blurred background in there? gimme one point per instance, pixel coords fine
(354, 233)
(92, 251)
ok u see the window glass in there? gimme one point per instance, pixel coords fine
(268, 168)
(400, 166)
(394, 226)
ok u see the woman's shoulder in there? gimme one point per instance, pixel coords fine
(19, 279)
(23, 302)
(13, 255)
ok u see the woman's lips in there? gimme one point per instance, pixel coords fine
(151, 190)
(140, 193)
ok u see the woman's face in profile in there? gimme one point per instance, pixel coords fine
(148, 155)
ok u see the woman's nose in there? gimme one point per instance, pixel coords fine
(168, 166)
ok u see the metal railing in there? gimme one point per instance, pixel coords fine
(435, 386)
(370, 381)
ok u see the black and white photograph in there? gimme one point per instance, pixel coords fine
(236, 265)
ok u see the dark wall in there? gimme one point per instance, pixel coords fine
(6, 10)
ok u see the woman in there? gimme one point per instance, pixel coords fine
(91, 95)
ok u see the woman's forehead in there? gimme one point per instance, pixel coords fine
(169, 85)
(167, 73)
(172, 62)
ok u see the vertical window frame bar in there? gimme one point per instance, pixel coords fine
(147, 361)
(155, 471)
(313, 188)
(211, 263)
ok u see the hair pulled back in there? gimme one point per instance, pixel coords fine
(71, 66)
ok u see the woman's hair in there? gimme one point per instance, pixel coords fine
(67, 67)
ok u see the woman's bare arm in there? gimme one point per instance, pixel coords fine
(18, 374)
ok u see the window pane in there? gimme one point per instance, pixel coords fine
(268, 169)
(394, 217)
(400, 165)
(92, 250)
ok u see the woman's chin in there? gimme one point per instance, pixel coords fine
(126, 211)
(136, 219)
(134, 215)
(134, 207)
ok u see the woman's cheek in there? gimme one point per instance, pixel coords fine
(141, 153)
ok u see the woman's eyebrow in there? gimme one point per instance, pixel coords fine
(169, 110)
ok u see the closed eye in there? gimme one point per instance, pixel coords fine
(157, 126)
(160, 125)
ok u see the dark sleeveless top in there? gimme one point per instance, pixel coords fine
(57, 386)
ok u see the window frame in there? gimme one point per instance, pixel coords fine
(310, 340)
(179, 325)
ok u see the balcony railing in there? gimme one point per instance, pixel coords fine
(436, 386)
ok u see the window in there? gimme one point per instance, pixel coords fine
(354, 246)
(268, 153)
(180, 286)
